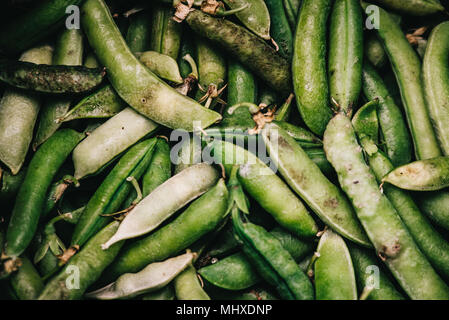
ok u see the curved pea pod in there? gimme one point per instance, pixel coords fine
(422, 175)
(165, 200)
(103, 103)
(436, 82)
(272, 261)
(266, 188)
(306, 179)
(30, 200)
(371, 277)
(113, 191)
(201, 217)
(398, 144)
(87, 265)
(334, 273)
(235, 272)
(365, 120)
(162, 65)
(246, 47)
(134, 83)
(166, 34)
(110, 139)
(374, 52)
(280, 28)
(159, 169)
(138, 34)
(49, 78)
(26, 283)
(151, 278)
(309, 65)
(412, 7)
(68, 51)
(386, 231)
(18, 114)
(346, 53)
(188, 287)
(10, 184)
(255, 16)
(304, 137)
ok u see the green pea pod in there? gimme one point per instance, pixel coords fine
(162, 65)
(407, 68)
(83, 269)
(266, 188)
(34, 25)
(346, 53)
(291, 11)
(255, 16)
(166, 293)
(188, 287)
(109, 140)
(434, 205)
(30, 200)
(318, 157)
(159, 169)
(10, 184)
(189, 154)
(304, 137)
(201, 217)
(103, 103)
(68, 51)
(392, 240)
(166, 34)
(284, 111)
(334, 273)
(235, 272)
(413, 7)
(371, 277)
(18, 114)
(246, 47)
(272, 261)
(157, 207)
(187, 48)
(280, 29)
(139, 32)
(90, 61)
(267, 96)
(421, 175)
(153, 277)
(135, 84)
(309, 65)
(306, 179)
(398, 144)
(365, 120)
(436, 82)
(26, 283)
(374, 52)
(113, 191)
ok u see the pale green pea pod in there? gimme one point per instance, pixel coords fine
(189, 154)
(164, 201)
(423, 175)
(153, 277)
(18, 114)
(166, 34)
(109, 140)
(334, 273)
(188, 287)
(166, 293)
(162, 65)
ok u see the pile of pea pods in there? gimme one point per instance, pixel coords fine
(224, 150)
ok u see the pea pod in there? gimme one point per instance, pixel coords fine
(10, 184)
(272, 261)
(407, 68)
(68, 51)
(280, 29)
(398, 145)
(157, 207)
(244, 46)
(27, 283)
(309, 65)
(374, 52)
(365, 264)
(153, 277)
(135, 84)
(18, 114)
(391, 239)
(436, 82)
(162, 65)
(166, 293)
(291, 11)
(188, 287)
(434, 205)
(346, 53)
(318, 156)
(109, 140)
(423, 175)
(306, 179)
(334, 273)
(87, 266)
(266, 188)
(166, 34)
(413, 7)
(138, 34)
(113, 191)
(202, 216)
(159, 169)
(34, 25)
(30, 200)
